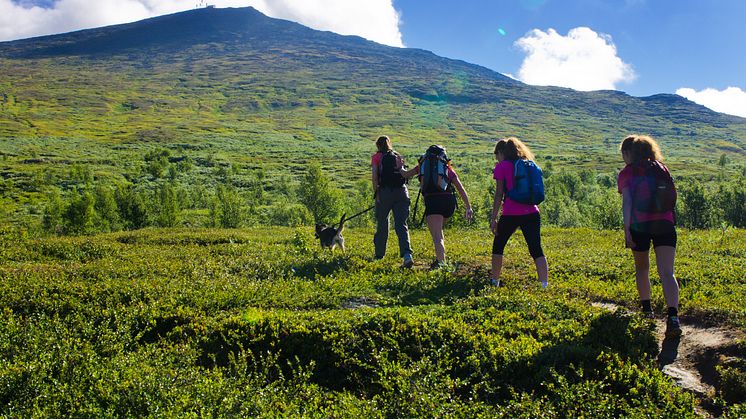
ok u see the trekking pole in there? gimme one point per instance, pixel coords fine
(416, 201)
(422, 220)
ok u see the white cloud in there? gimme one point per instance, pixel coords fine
(376, 20)
(582, 60)
(731, 100)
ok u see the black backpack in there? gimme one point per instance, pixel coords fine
(389, 170)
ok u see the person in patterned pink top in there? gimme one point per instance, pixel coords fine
(642, 155)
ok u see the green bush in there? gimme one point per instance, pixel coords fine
(732, 382)
(80, 213)
(166, 209)
(227, 209)
(319, 195)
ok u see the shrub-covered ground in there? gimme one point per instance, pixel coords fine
(260, 322)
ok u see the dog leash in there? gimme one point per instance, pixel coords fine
(358, 214)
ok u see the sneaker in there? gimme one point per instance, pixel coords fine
(544, 285)
(408, 262)
(494, 282)
(673, 327)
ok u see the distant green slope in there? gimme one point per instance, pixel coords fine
(238, 73)
(232, 88)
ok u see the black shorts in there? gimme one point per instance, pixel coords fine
(444, 205)
(662, 233)
(530, 225)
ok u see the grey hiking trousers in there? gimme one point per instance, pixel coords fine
(396, 200)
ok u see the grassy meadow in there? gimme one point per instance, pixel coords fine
(260, 322)
(157, 259)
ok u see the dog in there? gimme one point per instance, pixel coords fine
(331, 237)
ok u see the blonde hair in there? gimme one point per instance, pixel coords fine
(383, 143)
(513, 149)
(641, 147)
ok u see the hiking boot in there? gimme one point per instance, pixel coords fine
(408, 261)
(437, 264)
(673, 327)
(648, 315)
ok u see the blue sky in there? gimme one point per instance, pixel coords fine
(691, 47)
(669, 43)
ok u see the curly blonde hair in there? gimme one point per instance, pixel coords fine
(513, 149)
(641, 147)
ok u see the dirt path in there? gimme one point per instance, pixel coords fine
(691, 359)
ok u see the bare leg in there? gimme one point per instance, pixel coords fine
(435, 224)
(497, 266)
(664, 258)
(642, 273)
(542, 269)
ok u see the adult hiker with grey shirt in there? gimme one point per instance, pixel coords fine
(391, 195)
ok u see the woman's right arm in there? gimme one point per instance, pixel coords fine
(496, 203)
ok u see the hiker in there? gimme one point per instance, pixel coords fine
(509, 153)
(437, 181)
(391, 195)
(648, 202)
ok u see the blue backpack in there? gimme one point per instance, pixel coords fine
(528, 183)
(434, 170)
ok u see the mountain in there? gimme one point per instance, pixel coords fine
(226, 81)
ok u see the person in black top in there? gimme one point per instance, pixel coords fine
(391, 195)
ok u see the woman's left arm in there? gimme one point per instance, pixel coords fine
(411, 172)
(627, 216)
(464, 197)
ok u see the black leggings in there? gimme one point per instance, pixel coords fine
(530, 225)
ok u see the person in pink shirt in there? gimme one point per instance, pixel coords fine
(514, 214)
(643, 159)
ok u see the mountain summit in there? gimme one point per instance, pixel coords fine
(175, 31)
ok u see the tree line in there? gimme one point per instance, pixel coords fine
(574, 199)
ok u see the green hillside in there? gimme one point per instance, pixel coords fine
(267, 92)
(241, 98)
(176, 107)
